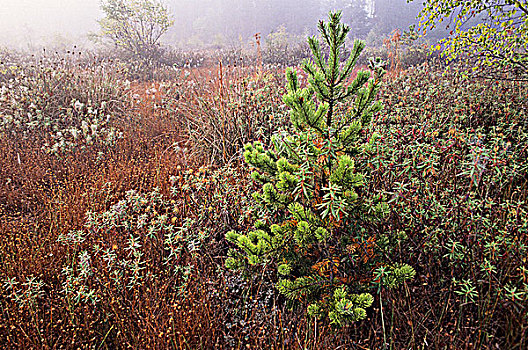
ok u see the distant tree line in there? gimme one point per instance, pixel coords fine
(227, 22)
(493, 33)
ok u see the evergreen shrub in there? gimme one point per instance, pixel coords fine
(315, 221)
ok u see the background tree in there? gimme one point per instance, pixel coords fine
(135, 25)
(355, 15)
(394, 14)
(205, 21)
(497, 39)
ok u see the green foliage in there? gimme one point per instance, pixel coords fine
(345, 307)
(392, 276)
(147, 244)
(454, 149)
(497, 39)
(310, 206)
(135, 25)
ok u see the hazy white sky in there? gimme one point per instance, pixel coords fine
(34, 20)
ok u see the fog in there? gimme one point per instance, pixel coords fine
(32, 24)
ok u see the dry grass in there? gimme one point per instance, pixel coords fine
(176, 136)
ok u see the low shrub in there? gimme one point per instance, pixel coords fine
(452, 163)
(61, 106)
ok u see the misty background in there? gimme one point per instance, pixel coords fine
(32, 24)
